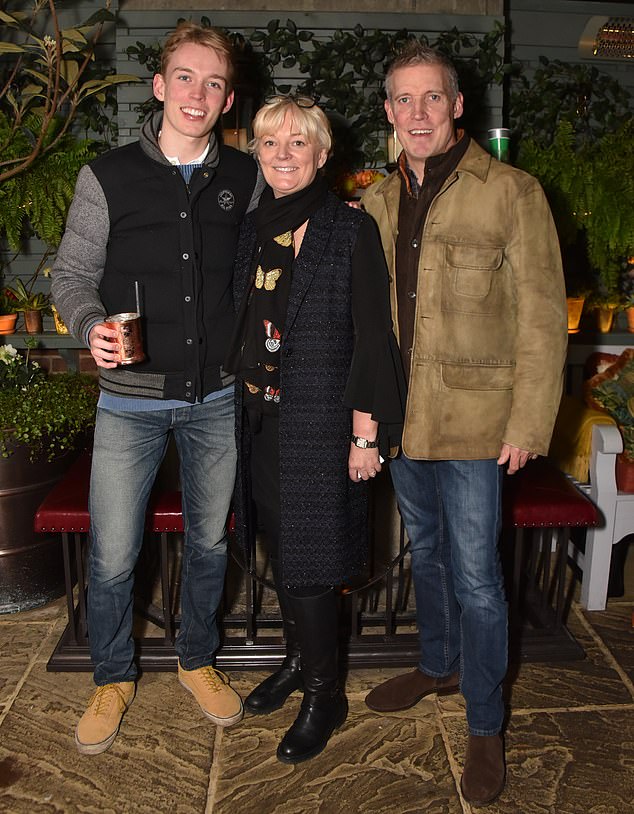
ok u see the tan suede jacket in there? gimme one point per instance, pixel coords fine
(491, 332)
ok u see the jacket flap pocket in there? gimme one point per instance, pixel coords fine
(466, 256)
(478, 377)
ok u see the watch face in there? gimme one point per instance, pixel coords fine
(363, 443)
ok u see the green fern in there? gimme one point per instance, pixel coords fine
(36, 202)
(590, 188)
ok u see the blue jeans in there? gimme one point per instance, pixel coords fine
(451, 511)
(128, 450)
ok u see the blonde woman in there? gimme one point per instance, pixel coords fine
(320, 393)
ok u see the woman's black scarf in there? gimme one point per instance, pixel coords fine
(255, 347)
(276, 216)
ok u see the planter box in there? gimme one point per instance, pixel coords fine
(31, 566)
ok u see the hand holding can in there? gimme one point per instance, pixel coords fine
(128, 336)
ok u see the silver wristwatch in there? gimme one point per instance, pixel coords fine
(363, 443)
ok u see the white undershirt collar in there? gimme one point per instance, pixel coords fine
(174, 159)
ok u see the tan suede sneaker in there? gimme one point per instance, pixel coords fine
(99, 725)
(212, 691)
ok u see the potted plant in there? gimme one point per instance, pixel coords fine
(628, 292)
(51, 88)
(612, 390)
(44, 421)
(31, 304)
(590, 188)
(8, 313)
(605, 305)
(574, 130)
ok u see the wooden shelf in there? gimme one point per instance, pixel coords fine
(67, 346)
(46, 340)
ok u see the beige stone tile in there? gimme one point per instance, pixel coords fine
(568, 763)
(557, 684)
(360, 682)
(614, 626)
(159, 762)
(18, 644)
(370, 763)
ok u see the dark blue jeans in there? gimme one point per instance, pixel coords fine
(451, 511)
(128, 450)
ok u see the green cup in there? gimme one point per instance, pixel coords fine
(500, 143)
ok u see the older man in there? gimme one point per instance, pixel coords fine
(478, 301)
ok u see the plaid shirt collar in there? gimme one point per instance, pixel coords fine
(409, 176)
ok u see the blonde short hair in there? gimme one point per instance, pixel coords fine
(309, 119)
(214, 38)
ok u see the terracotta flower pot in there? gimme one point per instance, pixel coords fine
(629, 313)
(31, 565)
(624, 473)
(605, 318)
(575, 309)
(33, 322)
(7, 323)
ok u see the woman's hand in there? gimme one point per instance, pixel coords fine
(363, 463)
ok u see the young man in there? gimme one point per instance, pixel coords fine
(479, 304)
(162, 214)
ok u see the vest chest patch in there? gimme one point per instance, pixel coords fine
(226, 199)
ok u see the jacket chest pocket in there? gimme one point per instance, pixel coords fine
(473, 280)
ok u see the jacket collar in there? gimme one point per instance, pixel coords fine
(475, 161)
(149, 140)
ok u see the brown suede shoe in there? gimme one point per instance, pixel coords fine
(99, 725)
(483, 777)
(404, 691)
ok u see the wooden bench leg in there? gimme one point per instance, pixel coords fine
(68, 584)
(166, 593)
(81, 563)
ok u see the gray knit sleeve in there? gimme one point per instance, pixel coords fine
(81, 257)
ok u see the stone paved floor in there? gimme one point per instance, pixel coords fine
(570, 739)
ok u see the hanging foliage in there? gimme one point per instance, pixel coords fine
(344, 69)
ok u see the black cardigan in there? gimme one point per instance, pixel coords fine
(338, 353)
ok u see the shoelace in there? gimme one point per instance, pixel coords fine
(102, 698)
(214, 678)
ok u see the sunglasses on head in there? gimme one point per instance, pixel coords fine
(305, 102)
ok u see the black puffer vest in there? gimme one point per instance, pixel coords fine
(179, 243)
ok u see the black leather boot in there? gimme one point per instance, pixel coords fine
(324, 707)
(274, 690)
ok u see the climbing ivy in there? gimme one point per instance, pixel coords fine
(345, 70)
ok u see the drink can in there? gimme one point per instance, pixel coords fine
(500, 143)
(129, 338)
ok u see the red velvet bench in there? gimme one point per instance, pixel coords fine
(65, 510)
(543, 504)
(540, 507)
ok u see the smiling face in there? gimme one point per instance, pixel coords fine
(194, 95)
(422, 111)
(289, 161)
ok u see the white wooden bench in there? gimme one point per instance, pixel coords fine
(617, 510)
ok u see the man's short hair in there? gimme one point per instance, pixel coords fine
(214, 38)
(415, 53)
